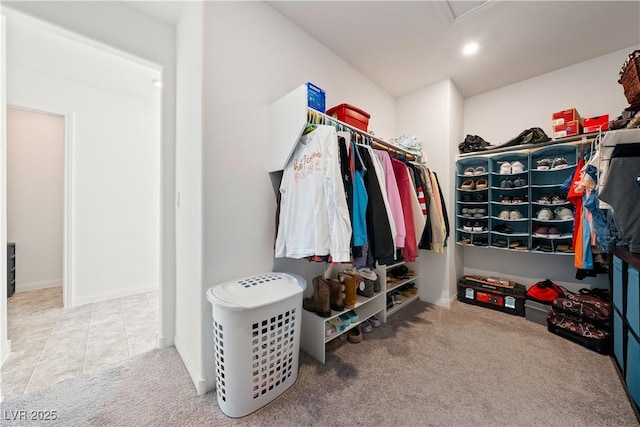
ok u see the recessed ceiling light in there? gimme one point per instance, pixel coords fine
(470, 48)
(157, 82)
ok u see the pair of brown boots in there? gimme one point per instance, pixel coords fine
(327, 296)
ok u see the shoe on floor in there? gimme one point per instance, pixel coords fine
(336, 343)
(366, 327)
(375, 322)
(354, 335)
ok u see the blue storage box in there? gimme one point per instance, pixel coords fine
(617, 284)
(633, 300)
(315, 97)
(633, 368)
(618, 339)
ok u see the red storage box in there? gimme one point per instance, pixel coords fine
(594, 124)
(568, 129)
(350, 115)
(565, 116)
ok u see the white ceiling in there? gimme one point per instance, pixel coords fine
(403, 46)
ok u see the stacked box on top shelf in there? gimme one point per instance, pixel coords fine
(472, 218)
(509, 208)
(551, 213)
(566, 123)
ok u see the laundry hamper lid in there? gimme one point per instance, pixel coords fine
(256, 291)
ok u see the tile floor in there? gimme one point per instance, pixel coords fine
(50, 343)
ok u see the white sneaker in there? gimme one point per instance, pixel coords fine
(515, 215)
(545, 214)
(517, 167)
(504, 215)
(505, 168)
(563, 213)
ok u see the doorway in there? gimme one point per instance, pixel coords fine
(111, 120)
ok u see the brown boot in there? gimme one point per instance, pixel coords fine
(337, 302)
(350, 284)
(320, 302)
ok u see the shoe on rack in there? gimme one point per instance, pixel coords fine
(479, 170)
(467, 198)
(479, 213)
(500, 243)
(544, 164)
(514, 215)
(345, 318)
(354, 335)
(519, 198)
(329, 329)
(545, 199)
(520, 182)
(320, 303)
(563, 213)
(350, 285)
(554, 232)
(480, 197)
(503, 228)
(541, 232)
(544, 214)
(504, 214)
(517, 167)
(559, 163)
(505, 168)
(467, 226)
(468, 185)
(478, 227)
(558, 199)
(338, 324)
(336, 290)
(481, 184)
(506, 183)
(505, 199)
(468, 171)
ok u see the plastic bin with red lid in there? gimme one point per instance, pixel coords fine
(350, 115)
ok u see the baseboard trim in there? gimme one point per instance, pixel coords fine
(199, 383)
(117, 293)
(5, 351)
(32, 286)
(443, 302)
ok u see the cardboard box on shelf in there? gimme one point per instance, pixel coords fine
(594, 124)
(564, 116)
(567, 129)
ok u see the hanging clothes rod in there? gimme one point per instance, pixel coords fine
(318, 118)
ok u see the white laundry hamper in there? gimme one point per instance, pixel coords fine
(256, 333)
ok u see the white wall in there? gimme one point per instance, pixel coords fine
(190, 301)
(5, 346)
(591, 87)
(35, 184)
(434, 114)
(127, 29)
(254, 56)
(115, 155)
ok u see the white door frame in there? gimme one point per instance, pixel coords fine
(67, 197)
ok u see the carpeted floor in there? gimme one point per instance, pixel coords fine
(428, 366)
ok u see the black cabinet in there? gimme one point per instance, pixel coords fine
(11, 269)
